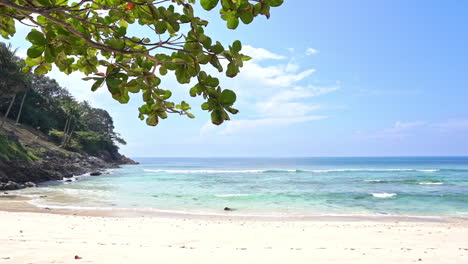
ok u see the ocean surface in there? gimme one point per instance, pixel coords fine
(415, 186)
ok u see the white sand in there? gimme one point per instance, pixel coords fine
(52, 238)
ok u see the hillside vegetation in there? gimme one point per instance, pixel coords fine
(41, 103)
(45, 133)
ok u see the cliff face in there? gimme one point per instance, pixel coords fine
(27, 156)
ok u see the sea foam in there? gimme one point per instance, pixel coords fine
(283, 170)
(207, 171)
(383, 195)
(231, 195)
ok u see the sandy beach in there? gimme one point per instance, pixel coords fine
(34, 237)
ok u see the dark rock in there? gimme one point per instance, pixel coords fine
(67, 175)
(228, 209)
(29, 184)
(126, 160)
(68, 180)
(10, 186)
(52, 164)
(96, 173)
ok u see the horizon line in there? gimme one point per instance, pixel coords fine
(282, 157)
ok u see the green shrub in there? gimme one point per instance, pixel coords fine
(94, 143)
(10, 150)
(56, 136)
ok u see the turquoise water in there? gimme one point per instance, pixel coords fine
(296, 186)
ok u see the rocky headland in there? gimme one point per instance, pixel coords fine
(28, 157)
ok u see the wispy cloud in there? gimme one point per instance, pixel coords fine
(271, 95)
(291, 102)
(259, 54)
(311, 51)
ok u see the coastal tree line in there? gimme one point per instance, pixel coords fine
(41, 103)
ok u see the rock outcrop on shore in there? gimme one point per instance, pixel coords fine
(49, 162)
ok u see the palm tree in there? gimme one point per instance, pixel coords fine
(12, 79)
(73, 114)
(21, 106)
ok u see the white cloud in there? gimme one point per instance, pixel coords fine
(259, 54)
(272, 95)
(277, 75)
(292, 67)
(284, 103)
(290, 49)
(311, 51)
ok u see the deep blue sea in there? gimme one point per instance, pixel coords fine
(423, 186)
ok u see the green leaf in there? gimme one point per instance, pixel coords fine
(32, 61)
(232, 110)
(133, 86)
(205, 106)
(152, 120)
(232, 70)
(246, 17)
(193, 91)
(45, 2)
(217, 117)
(236, 46)
(232, 22)
(213, 82)
(113, 84)
(227, 97)
(215, 62)
(35, 51)
(275, 3)
(218, 48)
(245, 57)
(41, 69)
(167, 94)
(50, 54)
(36, 37)
(163, 70)
(209, 4)
(116, 43)
(97, 84)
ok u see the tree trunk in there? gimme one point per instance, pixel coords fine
(8, 110)
(65, 131)
(21, 106)
(70, 135)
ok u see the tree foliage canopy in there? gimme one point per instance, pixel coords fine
(12, 80)
(93, 36)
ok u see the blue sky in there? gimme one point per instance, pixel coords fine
(329, 78)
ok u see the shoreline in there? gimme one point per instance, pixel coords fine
(19, 204)
(31, 234)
